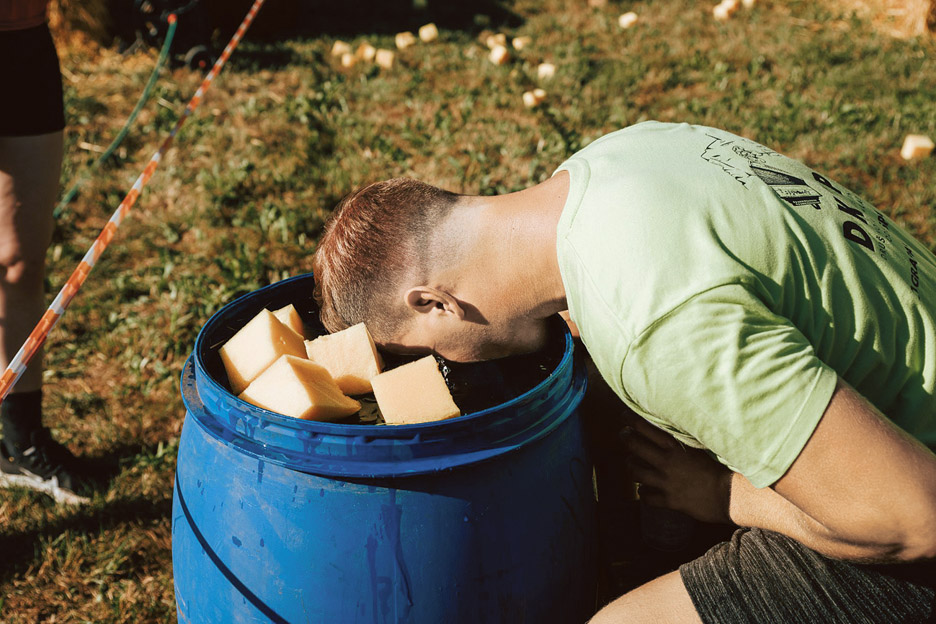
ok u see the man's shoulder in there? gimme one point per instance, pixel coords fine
(646, 130)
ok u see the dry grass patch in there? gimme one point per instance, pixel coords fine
(898, 18)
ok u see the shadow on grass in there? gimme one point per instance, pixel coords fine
(101, 469)
(311, 18)
(21, 549)
(209, 24)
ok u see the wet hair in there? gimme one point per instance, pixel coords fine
(376, 237)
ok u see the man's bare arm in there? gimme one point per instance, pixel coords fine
(861, 489)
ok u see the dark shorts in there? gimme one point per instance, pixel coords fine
(31, 83)
(761, 576)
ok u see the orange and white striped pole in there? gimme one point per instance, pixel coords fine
(38, 336)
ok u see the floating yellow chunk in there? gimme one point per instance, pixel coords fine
(289, 317)
(350, 356)
(257, 345)
(299, 388)
(414, 393)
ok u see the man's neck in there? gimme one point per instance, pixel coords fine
(518, 242)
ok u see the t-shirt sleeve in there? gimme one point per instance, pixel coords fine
(726, 371)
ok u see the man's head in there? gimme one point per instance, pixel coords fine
(427, 270)
(377, 240)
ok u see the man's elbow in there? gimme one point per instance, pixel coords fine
(902, 532)
(920, 542)
(918, 534)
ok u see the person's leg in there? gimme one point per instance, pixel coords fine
(762, 576)
(31, 135)
(29, 181)
(30, 167)
(663, 600)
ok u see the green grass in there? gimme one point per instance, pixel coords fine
(241, 198)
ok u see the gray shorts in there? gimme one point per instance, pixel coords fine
(765, 577)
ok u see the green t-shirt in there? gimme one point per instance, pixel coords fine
(720, 286)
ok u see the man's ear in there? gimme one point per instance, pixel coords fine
(425, 299)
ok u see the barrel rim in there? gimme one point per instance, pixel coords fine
(514, 425)
(329, 427)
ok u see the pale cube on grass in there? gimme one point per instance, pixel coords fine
(366, 52)
(340, 47)
(499, 55)
(497, 39)
(428, 33)
(520, 43)
(414, 393)
(350, 356)
(299, 388)
(256, 346)
(748, 3)
(348, 60)
(545, 71)
(534, 98)
(627, 19)
(385, 58)
(404, 40)
(916, 147)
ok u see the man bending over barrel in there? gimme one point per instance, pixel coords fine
(738, 301)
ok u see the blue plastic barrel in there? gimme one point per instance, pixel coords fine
(488, 517)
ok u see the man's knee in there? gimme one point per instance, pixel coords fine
(20, 269)
(661, 600)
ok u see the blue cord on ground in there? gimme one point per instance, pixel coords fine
(160, 62)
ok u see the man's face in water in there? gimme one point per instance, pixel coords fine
(469, 339)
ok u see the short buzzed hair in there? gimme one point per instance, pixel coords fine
(376, 237)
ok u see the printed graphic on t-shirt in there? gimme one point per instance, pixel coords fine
(861, 223)
(788, 187)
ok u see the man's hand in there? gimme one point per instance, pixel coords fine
(677, 477)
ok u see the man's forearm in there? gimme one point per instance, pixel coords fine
(766, 509)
